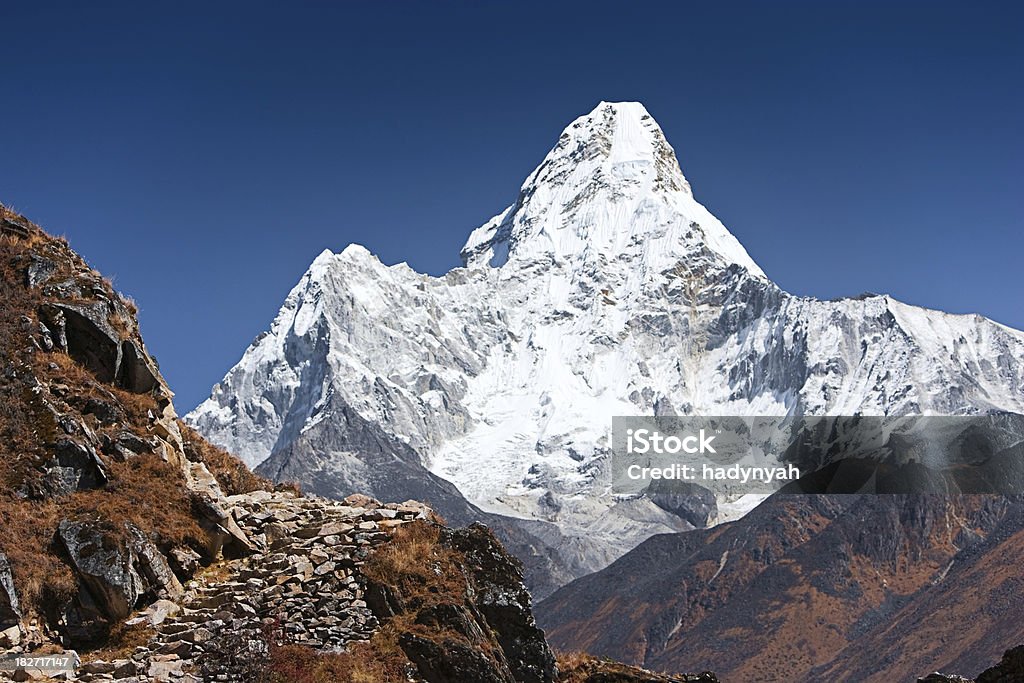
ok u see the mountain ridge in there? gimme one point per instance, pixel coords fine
(810, 588)
(618, 294)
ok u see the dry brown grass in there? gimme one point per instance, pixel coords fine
(148, 493)
(417, 567)
(43, 580)
(379, 661)
(218, 572)
(231, 473)
(580, 667)
(121, 643)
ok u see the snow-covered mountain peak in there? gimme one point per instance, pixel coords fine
(617, 131)
(610, 190)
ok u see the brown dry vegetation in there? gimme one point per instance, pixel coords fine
(418, 567)
(579, 667)
(146, 492)
(121, 642)
(379, 661)
(143, 490)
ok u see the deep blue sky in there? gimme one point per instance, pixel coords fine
(204, 154)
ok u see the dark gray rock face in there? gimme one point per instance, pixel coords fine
(91, 340)
(84, 330)
(694, 503)
(496, 607)
(10, 611)
(152, 566)
(75, 467)
(505, 604)
(39, 270)
(116, 576)
(1009, 670)
(137, 372)
(451, 662)
(105, 569)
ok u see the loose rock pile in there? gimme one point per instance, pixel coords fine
(301, 584)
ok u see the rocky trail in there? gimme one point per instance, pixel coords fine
(302, 583)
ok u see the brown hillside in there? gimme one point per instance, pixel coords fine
(811, 588)
(91, 450)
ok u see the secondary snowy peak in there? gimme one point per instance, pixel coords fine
(610, 189)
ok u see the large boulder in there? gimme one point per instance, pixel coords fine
(105, 568)
(153, 566)
(223, 534)
(89, 337)
(117, 572)
(74, 467)
(137, 373)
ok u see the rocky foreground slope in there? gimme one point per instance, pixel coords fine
(105, 499)
(143, 553)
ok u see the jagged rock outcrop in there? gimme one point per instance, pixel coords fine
(1010, 669)
(492, 634)
(504, 603)
(106, 570)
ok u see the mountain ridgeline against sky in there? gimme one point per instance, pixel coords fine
(604, 289)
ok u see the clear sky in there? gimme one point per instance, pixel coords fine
(203, 154)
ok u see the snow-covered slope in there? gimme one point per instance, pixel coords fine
(604, 289)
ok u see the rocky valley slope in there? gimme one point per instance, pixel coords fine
(812, 588)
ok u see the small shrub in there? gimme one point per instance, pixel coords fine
(418, 567)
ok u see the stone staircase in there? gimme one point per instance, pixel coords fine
(302, 585)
